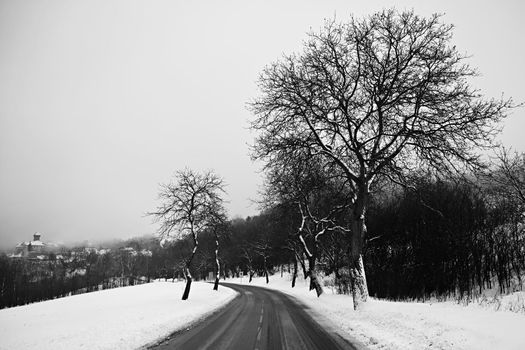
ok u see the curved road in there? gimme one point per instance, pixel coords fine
(257, 319)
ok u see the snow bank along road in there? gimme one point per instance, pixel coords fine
(258, 319)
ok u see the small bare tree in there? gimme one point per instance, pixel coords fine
(319, 195)
(190, 204)
(379, 97)
(248, 254)
(262, 248)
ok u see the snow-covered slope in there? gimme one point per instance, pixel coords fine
(121, 318)
(410, 325)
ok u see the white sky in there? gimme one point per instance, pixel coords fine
(100, 101)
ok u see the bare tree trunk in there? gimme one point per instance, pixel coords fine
(294, 277)
(186, 293)
(218, 265)
(358, 282)
(303, 267)
(357, 269)
(312, 272)
(314, 282)
(266, 270)
(250, 265)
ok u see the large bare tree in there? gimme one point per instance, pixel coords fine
(190, 204)
(379, 97)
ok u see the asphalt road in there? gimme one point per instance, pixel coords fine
(257, 319)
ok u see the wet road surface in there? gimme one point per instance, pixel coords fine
(258, 319)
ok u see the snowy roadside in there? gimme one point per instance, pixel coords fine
(120, 318)
(409, 325)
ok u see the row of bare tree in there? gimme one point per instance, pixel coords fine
(367, 105)
(437, 237)
(24, 281)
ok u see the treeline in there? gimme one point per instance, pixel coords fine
(251, 246)
(77, 271)
(26, 281)
(435, 238)
(432, 237)
(445, 239)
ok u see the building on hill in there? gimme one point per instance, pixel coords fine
(32, 249)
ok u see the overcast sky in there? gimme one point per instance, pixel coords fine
(100, 101)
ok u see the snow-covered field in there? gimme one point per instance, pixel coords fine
(410, 325)
(121, 318)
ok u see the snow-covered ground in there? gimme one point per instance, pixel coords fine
(121, 318)
(410, 325)
(132, 317)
